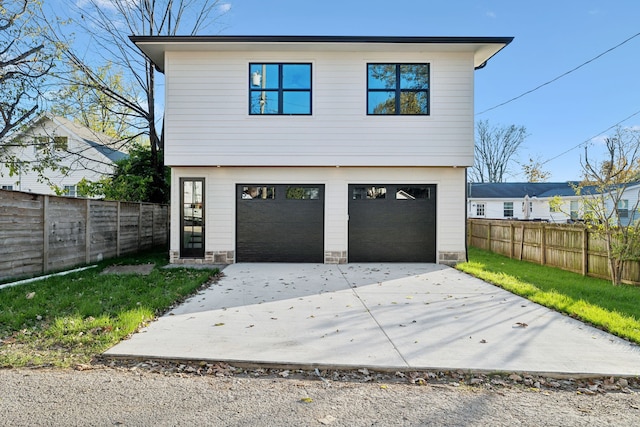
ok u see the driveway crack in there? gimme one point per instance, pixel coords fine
(354, 289)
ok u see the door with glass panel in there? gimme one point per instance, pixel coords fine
(192, 218)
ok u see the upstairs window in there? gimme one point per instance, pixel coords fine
(480, 209)
(50, 144)
(279, 89)
(398, 89)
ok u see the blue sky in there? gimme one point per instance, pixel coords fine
(552, 37)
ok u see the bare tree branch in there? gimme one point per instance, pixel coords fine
(494, 149)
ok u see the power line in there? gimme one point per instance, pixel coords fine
(560, 76)
(589, 139)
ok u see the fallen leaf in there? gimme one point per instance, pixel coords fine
(30, 295)
(250, 326)
(483, 341)
(521, 324)
(327, 420)
(219, 324)
(306, 400)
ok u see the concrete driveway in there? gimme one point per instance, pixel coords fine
(379, 316)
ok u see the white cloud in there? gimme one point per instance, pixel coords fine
(102, 4)
(491, 14)
(224, 7)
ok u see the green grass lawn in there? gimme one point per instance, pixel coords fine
(615, 309)
(67, 320)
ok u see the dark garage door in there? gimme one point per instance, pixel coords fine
(392, 223)
(280, 223)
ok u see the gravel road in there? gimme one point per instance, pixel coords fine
(139, 397)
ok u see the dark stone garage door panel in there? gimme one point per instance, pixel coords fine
(392, 223)
(280, 223)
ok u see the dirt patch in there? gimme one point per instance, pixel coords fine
(142, 269)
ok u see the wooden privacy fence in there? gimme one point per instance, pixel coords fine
(571, 247)
(40, 233)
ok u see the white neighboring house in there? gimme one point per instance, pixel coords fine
(82, 153)
(521, 200)
(532, 201)
(628, 203)
(324, 149)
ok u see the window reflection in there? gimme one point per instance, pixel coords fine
(279, 89)
(370, 193)
(303, 193)
(398, 89)
(258, 192)
(413, 193)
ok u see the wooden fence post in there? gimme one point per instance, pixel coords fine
(543, 245)
(521, 243)
(512, 236)
(140, 225)
(45, 234)
(118, 228)
(87, 236)
(585, 252)
(153, 226)
(489, 236)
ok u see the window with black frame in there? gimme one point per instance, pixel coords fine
(279, 89)
(398, 89)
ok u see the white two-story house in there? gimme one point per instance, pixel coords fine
(318, 149)
(77, 152)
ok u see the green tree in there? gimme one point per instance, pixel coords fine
(495, 147)
(608, 209)
(534, 172)
(110, 25)
(80, 101)
(132, 180)
(25, 62)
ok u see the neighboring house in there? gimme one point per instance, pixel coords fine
(628, 203)
(318, 149)
(521, 200)
(543, 201)
(78, 151)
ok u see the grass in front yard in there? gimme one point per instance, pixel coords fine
(615, 309)
(67, 320)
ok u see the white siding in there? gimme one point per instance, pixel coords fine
(220, 199)
(85, 163)
(540, 209)
(207, 120)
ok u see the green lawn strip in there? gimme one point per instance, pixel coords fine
(68, 320)
(596, 301)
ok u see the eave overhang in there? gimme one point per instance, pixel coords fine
(155, 47)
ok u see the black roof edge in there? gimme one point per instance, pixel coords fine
(322, 39)
(325, 39)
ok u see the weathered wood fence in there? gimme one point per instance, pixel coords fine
(40, 233)
(570, 247)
